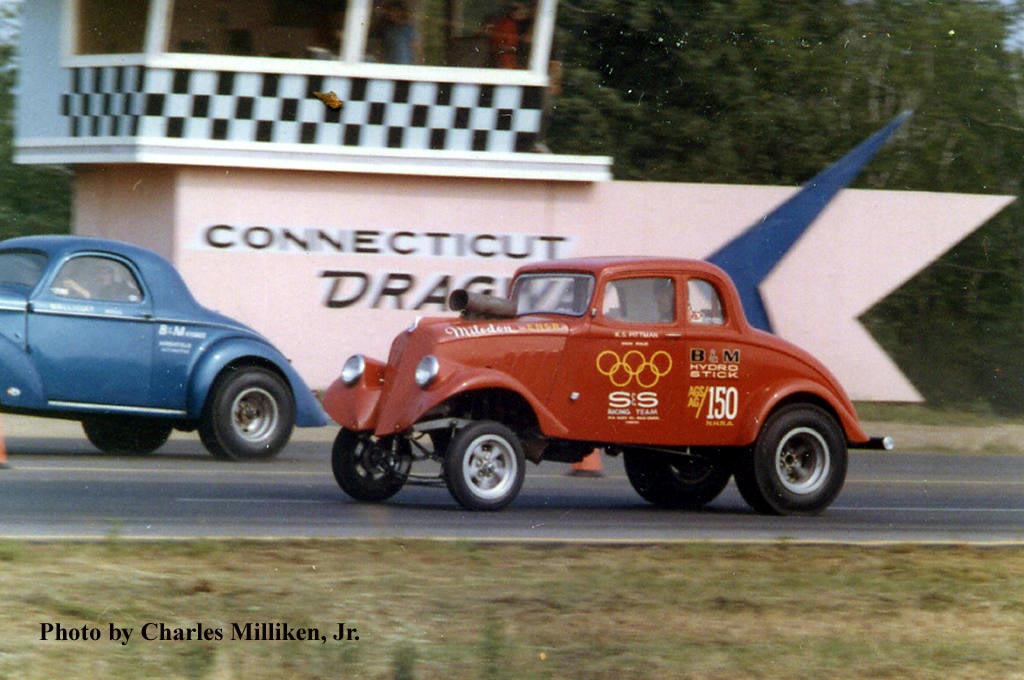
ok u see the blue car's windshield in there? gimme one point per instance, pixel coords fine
(21, 267)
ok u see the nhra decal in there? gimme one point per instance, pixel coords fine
(709, 364)
(717, 404)
(634, 369)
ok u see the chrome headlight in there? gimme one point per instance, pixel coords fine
(353, 369)
(427, 370)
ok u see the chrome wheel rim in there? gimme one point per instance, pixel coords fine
(254, 414)
(489, 467)
(802, 461)
(373, 461)
(367, 460)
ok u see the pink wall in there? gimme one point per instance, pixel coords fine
(131, 202)
(394, 227)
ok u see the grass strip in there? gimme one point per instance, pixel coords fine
(422, 609)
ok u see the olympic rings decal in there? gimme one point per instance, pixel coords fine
(633, 365)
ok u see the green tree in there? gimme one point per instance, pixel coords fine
(761, 91)
(33, 199)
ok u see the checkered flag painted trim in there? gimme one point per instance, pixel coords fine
(130, 101)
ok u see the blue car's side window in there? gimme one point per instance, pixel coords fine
(21, 267)
(96, 278)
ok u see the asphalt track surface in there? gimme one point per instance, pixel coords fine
(58, 486)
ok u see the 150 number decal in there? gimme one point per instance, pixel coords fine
(718, 404)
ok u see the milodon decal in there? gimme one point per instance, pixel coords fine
(477, 330)
(640, 372)
(718, 405)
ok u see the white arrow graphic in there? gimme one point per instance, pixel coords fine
(865, 245)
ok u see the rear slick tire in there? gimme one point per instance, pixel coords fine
(249, 415)
(798, 464)
(126, 435)
(688, 481)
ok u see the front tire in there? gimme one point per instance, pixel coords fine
(678, 481)
(249, 415)
(368, 468)
(484, 466)
(798, 464)
(120, 436)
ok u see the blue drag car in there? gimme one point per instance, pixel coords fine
(108, 333)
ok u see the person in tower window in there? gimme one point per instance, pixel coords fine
(401, 43)
(505, 36)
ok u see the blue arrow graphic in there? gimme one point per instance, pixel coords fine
(752, 255)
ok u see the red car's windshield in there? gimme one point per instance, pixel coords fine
(555, 293)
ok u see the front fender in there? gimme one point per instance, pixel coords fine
(22, 387)
(228, 351)
(402, 408)
(355, 407)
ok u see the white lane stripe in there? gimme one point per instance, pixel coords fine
(205, 472)
(276, 501)
(937, 482)
(200, 469)
(311, 501)
(917, 509)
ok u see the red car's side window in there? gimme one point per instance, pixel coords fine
(703, 304)
(640, 300)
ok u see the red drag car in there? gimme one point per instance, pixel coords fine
(652, 359)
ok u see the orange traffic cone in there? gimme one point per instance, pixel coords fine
(3, 451)
(590, 466)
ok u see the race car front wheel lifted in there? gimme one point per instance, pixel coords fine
(368, 468)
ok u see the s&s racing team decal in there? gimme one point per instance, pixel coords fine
(636, 373)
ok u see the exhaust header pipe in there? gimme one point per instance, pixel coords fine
(480, 306)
